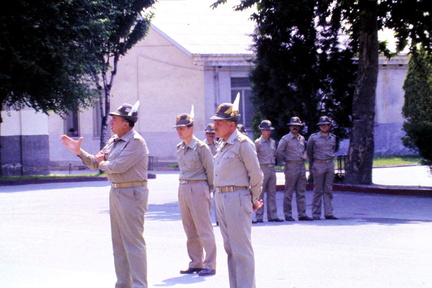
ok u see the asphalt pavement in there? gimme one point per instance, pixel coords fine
(58, 236)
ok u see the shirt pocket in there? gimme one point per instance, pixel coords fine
(193, 161)
(231, 157)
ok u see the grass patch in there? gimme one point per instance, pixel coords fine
(33, 177)
(396, 160)
(383, 161)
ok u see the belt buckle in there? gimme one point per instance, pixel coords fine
(183, 181)
(228, 189)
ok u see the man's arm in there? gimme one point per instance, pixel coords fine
(208, 163)
(309, 151)
(133, 153)
(249, 157)
(280, 152)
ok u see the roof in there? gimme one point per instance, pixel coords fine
(200, 30)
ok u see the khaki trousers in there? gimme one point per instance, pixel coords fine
(127, 209)
(295, 180)
(323, 175)
(269, 188)
(234, 212)
(195, 205)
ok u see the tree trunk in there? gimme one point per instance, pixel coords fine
(361, 150)
(105, 105)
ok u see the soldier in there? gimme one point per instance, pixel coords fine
(266, 151)
(210, 138)
(124, 159)
(321, 148)
(242, 129)
(292, 151)
(196, 181)
(238, 180)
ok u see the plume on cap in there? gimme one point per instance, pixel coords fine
(236, 104)
(134, 108)
(192, 112)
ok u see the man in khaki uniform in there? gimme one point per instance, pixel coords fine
(321, 148)
(238, 180)
(292, 151)
(210, 138)
(196, 180)
(266, 151)
(124, 160)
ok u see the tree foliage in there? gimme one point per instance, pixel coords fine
(301, 67)
(53, 54)
(44, 63)
(361, 19)
(127, 25)
(417, 108)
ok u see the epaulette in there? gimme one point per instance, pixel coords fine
(241, 137)
(200, 143)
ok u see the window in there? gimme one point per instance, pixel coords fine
(71, 124)
(243, 86)
(97, 119)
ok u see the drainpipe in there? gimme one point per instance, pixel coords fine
(216, 85)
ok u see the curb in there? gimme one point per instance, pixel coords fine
(59, 180)
(375, 189)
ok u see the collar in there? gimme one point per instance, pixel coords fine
(263, 140)
(233, 137)
(192, 144)
(295, 137)
(129, 135)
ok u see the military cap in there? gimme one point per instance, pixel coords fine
(266, 125)
(324, 120)
(242, 129)
(295, 121)
(183, 119)
(210, 128)
(225, 112)
(127, 111)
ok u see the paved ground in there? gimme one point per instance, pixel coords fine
(57, 235)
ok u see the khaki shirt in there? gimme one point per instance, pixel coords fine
(266, 150)
(213, 147)
(291, 148)
(195, 161)
(236, 164)
(321, 147)
(125, 161)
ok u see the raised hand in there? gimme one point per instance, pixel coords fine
(71, 144)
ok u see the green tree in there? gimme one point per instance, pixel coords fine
(412, 23)
(53, 54)
(127, 25)
(301, 68)
(43, 61)
(417, 108)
